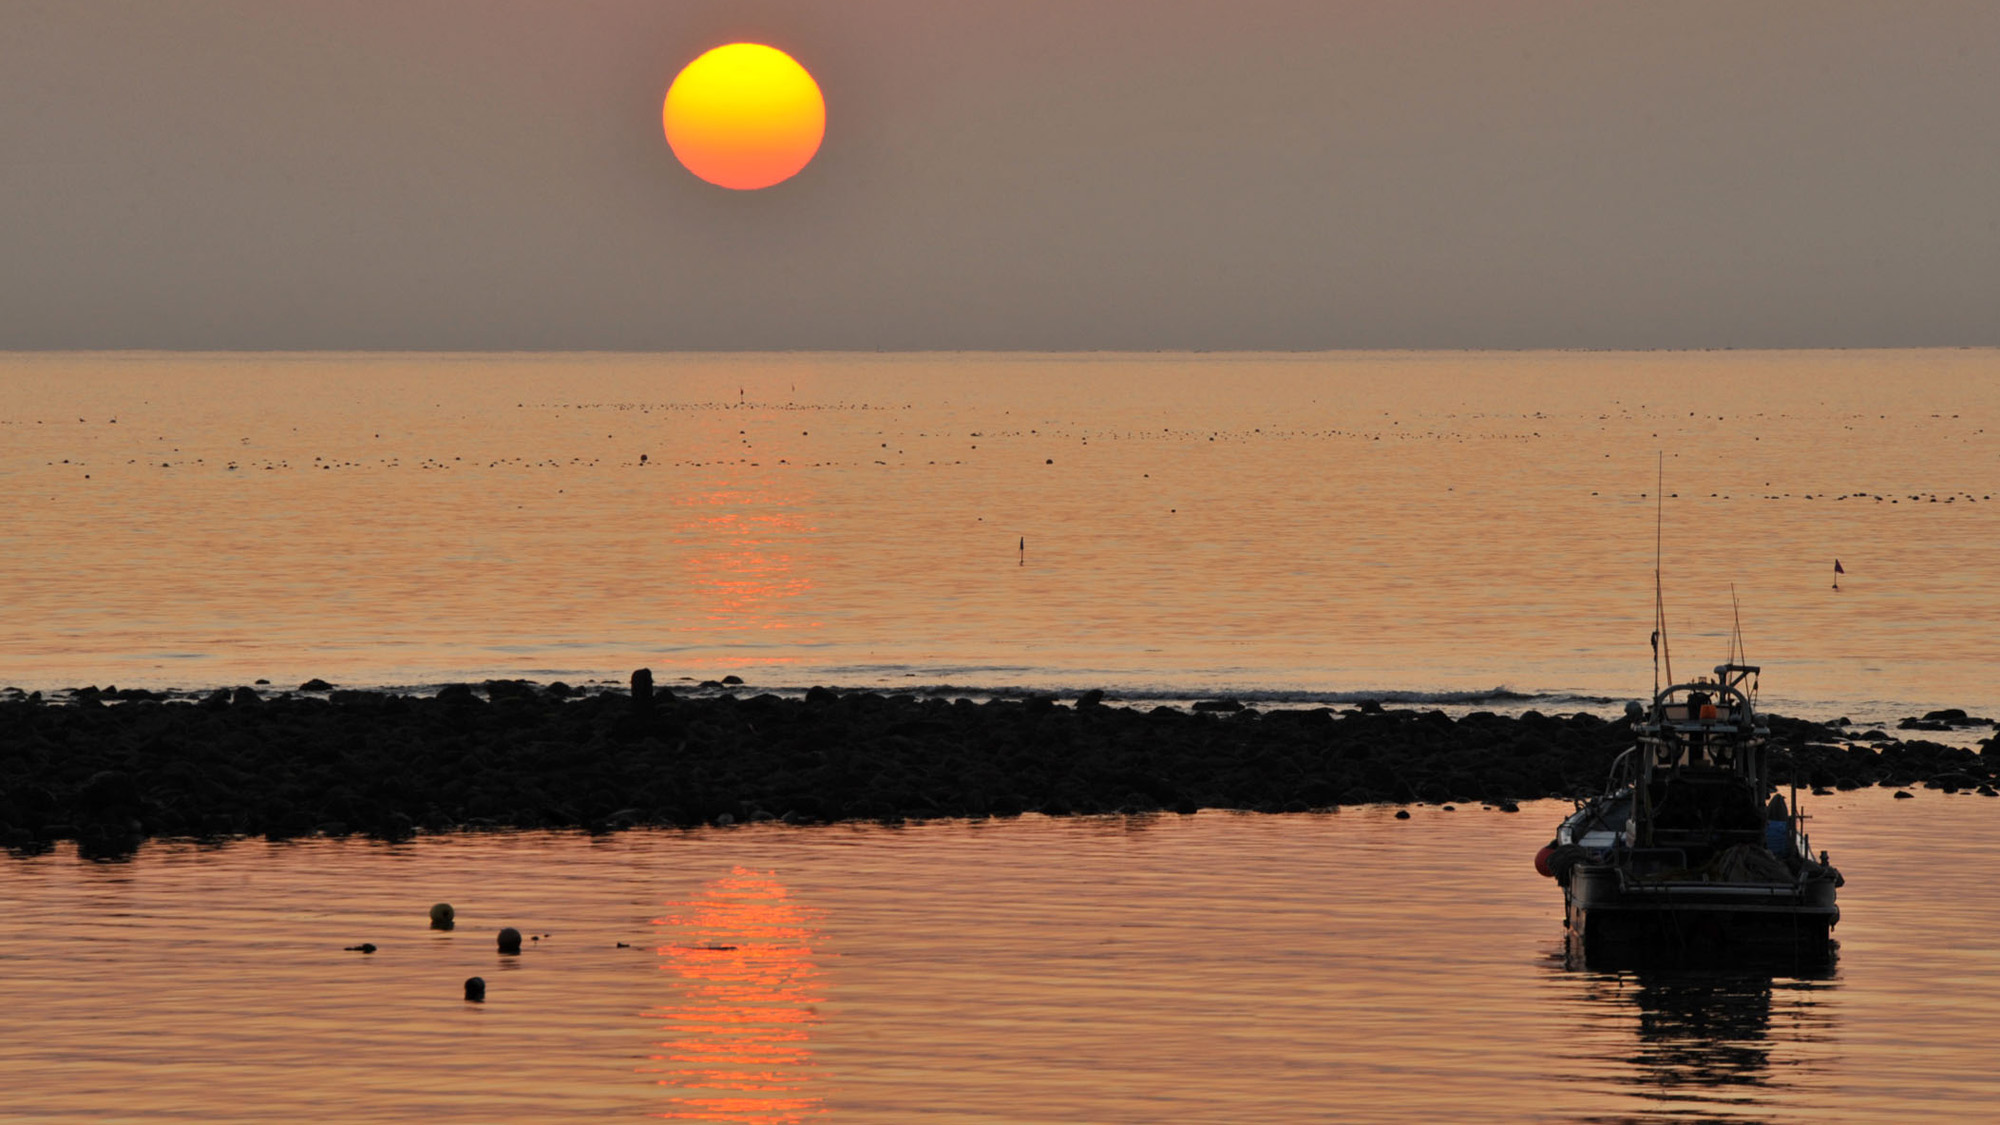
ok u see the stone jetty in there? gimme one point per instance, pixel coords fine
(112, 770)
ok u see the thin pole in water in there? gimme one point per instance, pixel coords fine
(1024, 550)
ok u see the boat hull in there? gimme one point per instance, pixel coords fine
(1617, 921)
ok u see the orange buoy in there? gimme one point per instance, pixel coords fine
(1542, 860)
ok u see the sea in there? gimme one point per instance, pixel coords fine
(1460, 531)
(1218, 968)
(1467, 530)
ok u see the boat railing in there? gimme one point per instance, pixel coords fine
(1621, 771)
(1724, 700)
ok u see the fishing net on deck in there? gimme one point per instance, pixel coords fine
(1747, 863)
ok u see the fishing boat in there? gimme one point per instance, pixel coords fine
(1691, 855)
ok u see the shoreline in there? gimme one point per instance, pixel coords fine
(510, 754)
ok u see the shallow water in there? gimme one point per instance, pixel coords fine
(1215, 968)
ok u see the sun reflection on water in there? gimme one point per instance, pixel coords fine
(739, 1030)
(741, 560)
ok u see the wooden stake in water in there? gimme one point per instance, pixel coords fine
(1024, 550)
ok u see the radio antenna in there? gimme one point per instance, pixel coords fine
(1660, 645)
(1737, 654)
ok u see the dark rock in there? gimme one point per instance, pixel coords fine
(1904, 795)
(315, 685)
(1221, 705)
(245, 697)
(509, 940)
(109, 841)
(109, 793)
(475, 989)
(394, 827)
(1402, 814)
(364, 947)
(642, 688)
(732, 680)
(387, 764)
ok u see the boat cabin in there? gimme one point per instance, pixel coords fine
(1702, 776)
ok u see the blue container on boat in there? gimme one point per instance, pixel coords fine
(1778, 837)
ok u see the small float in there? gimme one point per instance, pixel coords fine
(1691, 856)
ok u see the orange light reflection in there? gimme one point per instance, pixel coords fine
(738, 1047)
(740, 563)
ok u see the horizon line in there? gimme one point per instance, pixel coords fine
(134, 352)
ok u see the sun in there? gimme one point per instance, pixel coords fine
(744, 116)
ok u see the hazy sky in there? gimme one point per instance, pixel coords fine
(1084, 174)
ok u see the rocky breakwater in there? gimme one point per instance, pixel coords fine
(508, 754)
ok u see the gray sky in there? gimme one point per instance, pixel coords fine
(1085, 174)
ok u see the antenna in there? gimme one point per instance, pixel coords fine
(1660, 643)
(1737, 654)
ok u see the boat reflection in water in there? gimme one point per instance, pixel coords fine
(738, 1046)
(1713, 1046)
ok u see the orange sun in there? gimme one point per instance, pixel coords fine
(744, 116)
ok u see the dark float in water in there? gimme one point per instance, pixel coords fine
(1691, 856)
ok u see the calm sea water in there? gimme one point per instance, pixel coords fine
(1214, 968)
(1295, 527)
